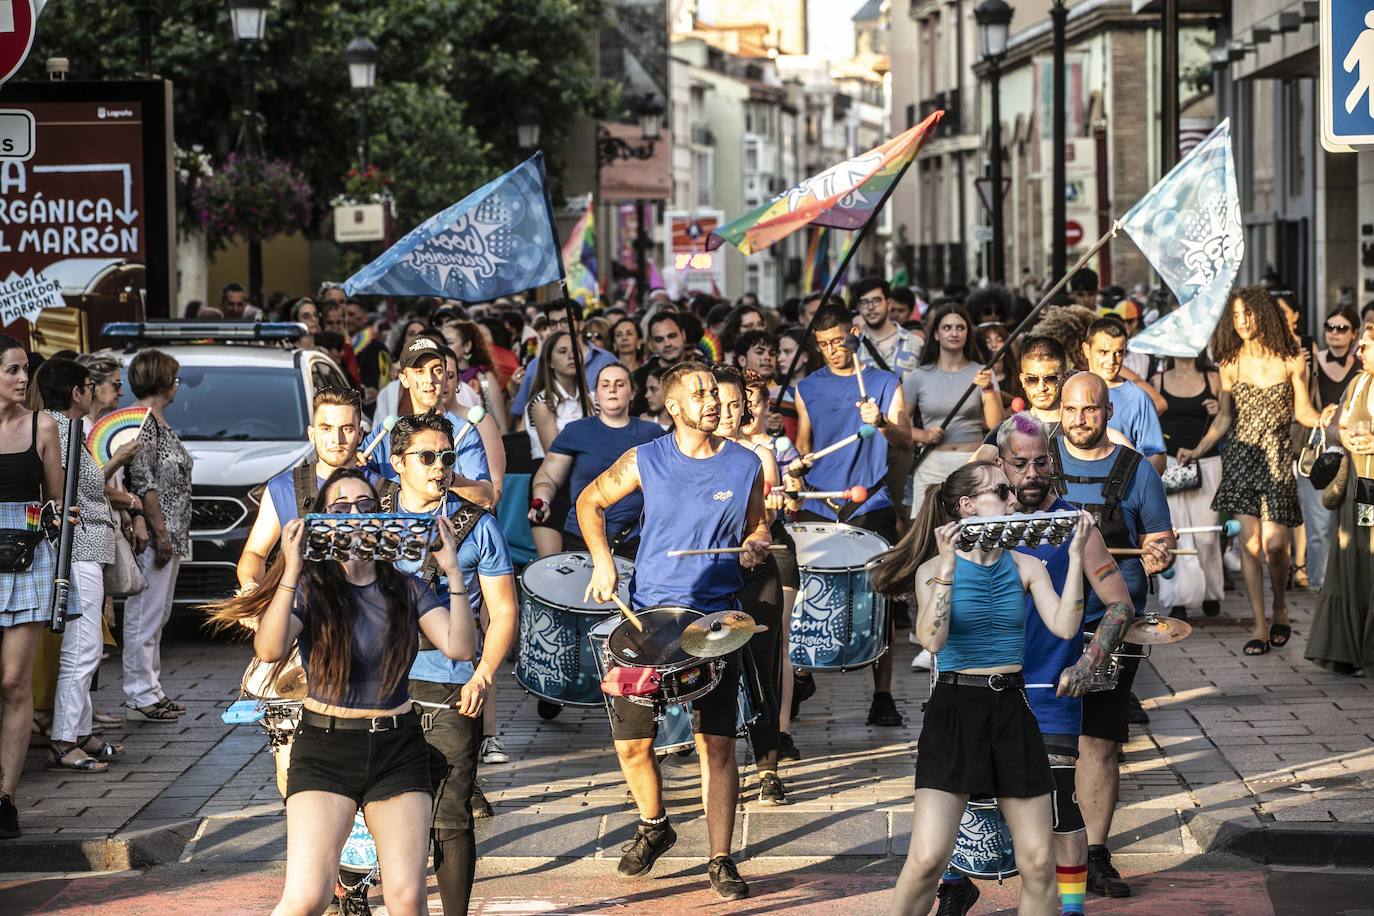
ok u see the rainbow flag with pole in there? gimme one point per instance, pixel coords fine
(579, 258)
(843, 279)
(817, 261)
(842, 197)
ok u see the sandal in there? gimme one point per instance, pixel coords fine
(152, 713)
(57, 760)
(172, 705)
(1299, 579)
(1279, 634)
(1256, 647)
(103, 750)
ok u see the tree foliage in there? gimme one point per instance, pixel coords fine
(450, 75)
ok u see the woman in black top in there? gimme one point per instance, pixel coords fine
(359, 742)
(1189, 388)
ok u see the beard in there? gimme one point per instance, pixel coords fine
(1085, 437)
(1031, 495)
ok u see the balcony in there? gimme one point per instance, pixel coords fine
(951, 124)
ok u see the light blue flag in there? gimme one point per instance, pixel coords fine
(499, 240)
(1189, 227)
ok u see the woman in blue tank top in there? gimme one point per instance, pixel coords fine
(979, 737)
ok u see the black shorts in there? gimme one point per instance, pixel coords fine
(788, 573)
(1063, 745)
(1107, 713)
(716, 713)
(459, 739)
(981, 742)
(627, 549)
(360, 765)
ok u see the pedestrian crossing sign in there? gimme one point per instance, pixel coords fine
(1346, 38)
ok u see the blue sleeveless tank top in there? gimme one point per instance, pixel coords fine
(691, 503)
(987, 624)
(1046, 654)
(283, 490)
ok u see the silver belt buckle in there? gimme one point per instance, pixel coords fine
(372, 727)
(997, 682)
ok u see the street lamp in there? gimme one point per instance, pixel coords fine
(1058, 195)
(650, 118)
(249, 19)
(648, 110)
(994, 22)
(361, 55)
(527, 127)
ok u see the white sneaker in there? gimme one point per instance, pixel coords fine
(923, 662)
(493, 751)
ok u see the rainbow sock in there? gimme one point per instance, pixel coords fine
(1073, 887)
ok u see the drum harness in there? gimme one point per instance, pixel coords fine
(306, 483)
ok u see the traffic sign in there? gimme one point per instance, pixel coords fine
(1073, 233)
(984, 186)
(16, 35)
(16, 133)
(1346, 94)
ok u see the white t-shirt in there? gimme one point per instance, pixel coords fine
(568, 410)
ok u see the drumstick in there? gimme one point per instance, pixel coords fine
(1230, 529)
(709, 550)
(629, 614)
(853, 343)
(387, 425)
(1137, 552)
(475, 416)
(866, 431)
(855, 494)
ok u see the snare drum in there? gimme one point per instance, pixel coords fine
(1108, 674)
(839, 622)
(983, 848)
(554, 624)
(681, 677)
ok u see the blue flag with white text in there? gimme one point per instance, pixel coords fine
(499, 240)
(1189, 227)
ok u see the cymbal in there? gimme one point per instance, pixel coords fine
(717, 634)
(291, 684)
(1155, 631)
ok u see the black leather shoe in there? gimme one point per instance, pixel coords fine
(787, 748)
(1103, 878)
(956, 899)
(643, 851)
(725, 879)
(884, 711)
(803, 689)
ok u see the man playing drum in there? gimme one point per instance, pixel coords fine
(1023, 454)
(700, 491)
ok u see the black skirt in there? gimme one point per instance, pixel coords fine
(981, 742)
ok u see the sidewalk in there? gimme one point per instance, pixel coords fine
(1268, 757)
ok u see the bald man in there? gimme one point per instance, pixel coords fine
(1126, 495)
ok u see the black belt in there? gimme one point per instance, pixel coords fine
(1013, 680)
(369, 724)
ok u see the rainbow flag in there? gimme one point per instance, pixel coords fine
(843, 279)
(817, 261)
(841, 197)
(579, 258)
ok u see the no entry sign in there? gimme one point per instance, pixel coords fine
(16, 35)
(1073, 233)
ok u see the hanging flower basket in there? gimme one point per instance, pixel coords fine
(252, 199)
(369, 186)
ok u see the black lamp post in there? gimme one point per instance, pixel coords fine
(994, 23)
(249, 19)
(1058, 195)
(527, 127)
(361, 55)
(143, 13)
(649, 111)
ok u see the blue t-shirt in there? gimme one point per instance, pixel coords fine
(364, 690)
(1135, 417)
(484, 552)
(282, 489)
(691, 503)
(593, 447)
(1046, 654)
(595, 361)
(1144, 507)
(472, 456)
(988, 624)
(830, 400)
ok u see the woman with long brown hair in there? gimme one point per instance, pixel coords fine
(359, 742)
(477, 369)
(1263, 388)
(554, 403)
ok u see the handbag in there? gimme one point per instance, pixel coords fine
(16, 549)
(1325, 468)
(1333, 495)
(1312, 450)
(1179, 478)
(123, 577)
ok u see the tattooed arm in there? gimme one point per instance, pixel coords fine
(1075, 680)
(612, 485)
(934, 583)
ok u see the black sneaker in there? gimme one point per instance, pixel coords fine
(1211, 608)
(803, 689)
(1103, 878)
(956, 898)
(354, 903)
(884, 711)
(786, 749)
(1138, 715)
(1179, 612)
(9, 818)
(770, 790)
(480, 806)
(725, 879)
(643, 851)
(548, 710)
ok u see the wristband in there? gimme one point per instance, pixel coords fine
(286, 588)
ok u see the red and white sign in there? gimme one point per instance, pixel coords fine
(1073, 233)
(690, 266)
(16, 35)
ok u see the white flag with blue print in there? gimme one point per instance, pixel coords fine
(1189, 227)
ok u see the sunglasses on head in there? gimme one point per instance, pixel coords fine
(1003, 490)
(366, 506)
(428, 456)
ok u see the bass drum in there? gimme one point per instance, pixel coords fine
(983, 848)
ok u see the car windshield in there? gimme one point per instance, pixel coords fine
(236, 403)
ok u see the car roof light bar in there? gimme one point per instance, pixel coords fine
(219, 331)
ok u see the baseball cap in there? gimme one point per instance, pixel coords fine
(419, 351)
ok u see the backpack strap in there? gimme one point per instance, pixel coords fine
(1120, 476)
(306, 484)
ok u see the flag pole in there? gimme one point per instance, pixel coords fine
(839, 272)
(1021, 328)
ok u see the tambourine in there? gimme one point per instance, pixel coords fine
(1034, 529)
(385, 537)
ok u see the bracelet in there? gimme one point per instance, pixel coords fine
(286, 588)
(936, 580)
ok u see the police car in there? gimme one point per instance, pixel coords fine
(241, 411)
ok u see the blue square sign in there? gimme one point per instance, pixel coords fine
(1347, 74)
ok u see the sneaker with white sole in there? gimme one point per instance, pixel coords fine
(493, 751)
(923, 661)
(771, 791)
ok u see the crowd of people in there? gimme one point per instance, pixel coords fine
(698, 423)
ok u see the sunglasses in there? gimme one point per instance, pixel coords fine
(366, 506)
(1030, 381)
(1003, 490)
(428, 456)
(1338, 328)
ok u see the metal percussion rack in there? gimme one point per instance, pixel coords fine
(1034, 529)
(389, 537)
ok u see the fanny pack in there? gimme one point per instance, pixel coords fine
(16, 549)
